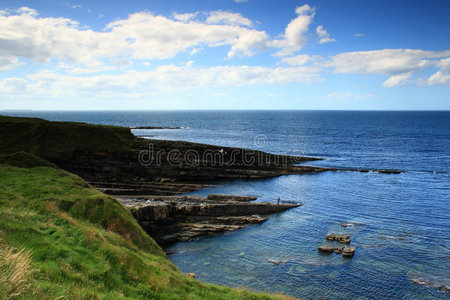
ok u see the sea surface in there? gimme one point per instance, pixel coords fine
(402, 221)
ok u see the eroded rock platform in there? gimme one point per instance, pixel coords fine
(170, 219)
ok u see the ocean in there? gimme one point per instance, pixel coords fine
(401, 221)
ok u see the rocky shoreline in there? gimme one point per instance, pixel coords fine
(171, 219)
(143, 178)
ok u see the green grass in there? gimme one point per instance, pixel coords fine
(83, 244)
(59, 140)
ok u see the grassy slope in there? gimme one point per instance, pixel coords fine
(84, 244)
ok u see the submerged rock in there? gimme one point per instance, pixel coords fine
(277, 262)
(350, 224)
(442, 287)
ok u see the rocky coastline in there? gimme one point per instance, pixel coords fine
(170, 219)
(144, 173)
(148, 177)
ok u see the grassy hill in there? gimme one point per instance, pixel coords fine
(62, 239)
(59, 140)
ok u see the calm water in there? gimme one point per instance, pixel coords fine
(404, 230)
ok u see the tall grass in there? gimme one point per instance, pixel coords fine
(16, 271)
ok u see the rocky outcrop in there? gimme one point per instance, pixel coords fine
(346, 251)
(182, 218)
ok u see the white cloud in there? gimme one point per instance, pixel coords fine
(173, 37)
(13, 85)
(27, 11)
(399, 64)
(77, 6)
(358, 34)
(184, 17)
(399, 79)
(302, 59)
(9, 62)
(386, 61)
(324, 35)
(228, 18)
(240, 1)
(304, 10)
(349, 96)
(24, 35)
(163, 79)
(294, 37)
(441, 77)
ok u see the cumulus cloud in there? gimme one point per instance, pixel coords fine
(145, 36)
(294, 37)
(399, 64)
(324, 35)
(141, 36)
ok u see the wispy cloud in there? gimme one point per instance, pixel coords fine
(50, 83)
(349, 96)
(399, 64)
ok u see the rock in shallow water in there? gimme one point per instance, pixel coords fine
(341, 238)
(330, 249)
(348, 251)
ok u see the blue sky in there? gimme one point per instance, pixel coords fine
(225, 54)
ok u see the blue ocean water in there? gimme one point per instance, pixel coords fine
(403, 220)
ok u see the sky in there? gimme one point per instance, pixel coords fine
(224, 54)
